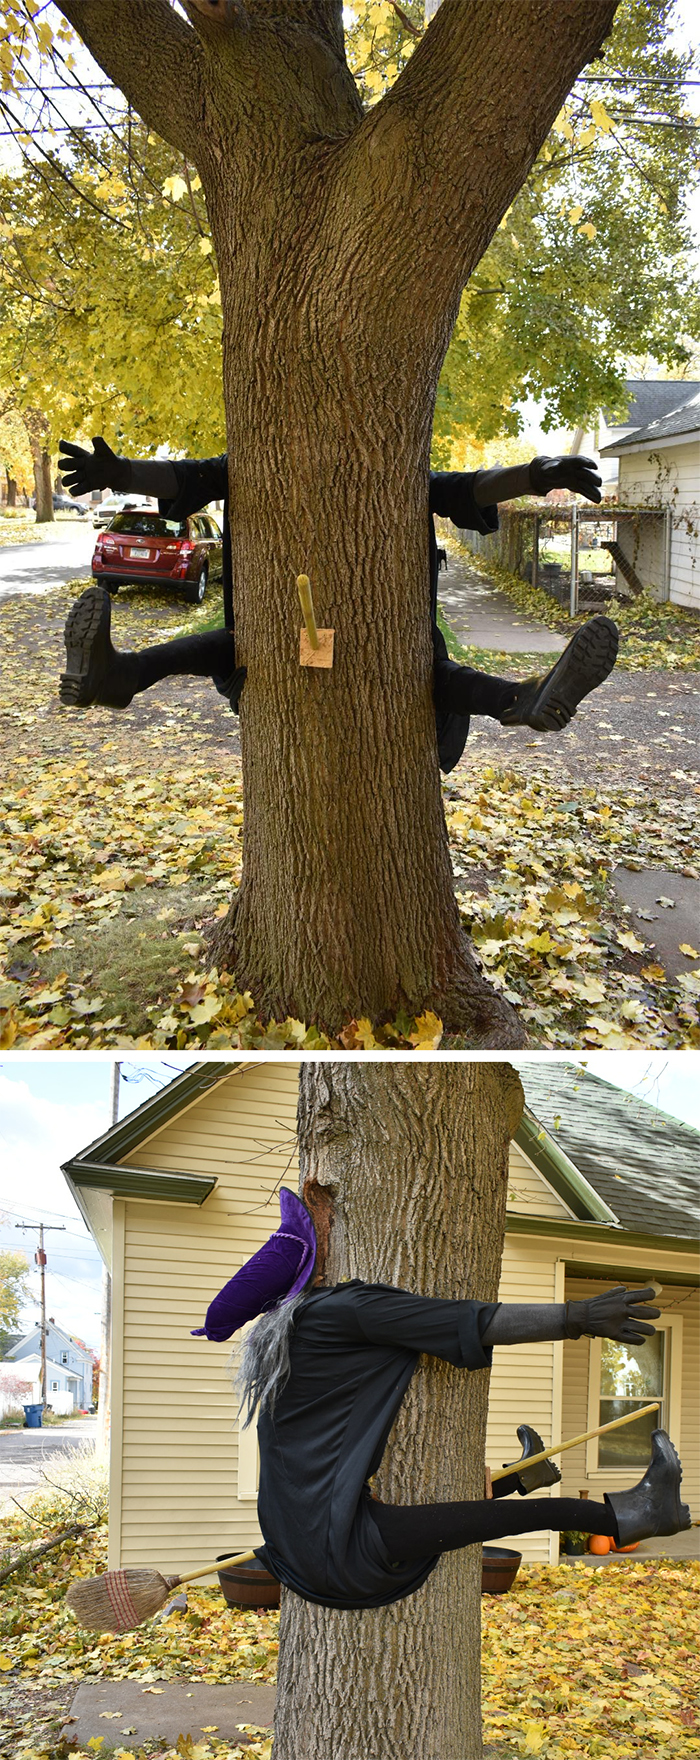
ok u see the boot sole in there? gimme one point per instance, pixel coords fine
(89, 619)
(585, 664)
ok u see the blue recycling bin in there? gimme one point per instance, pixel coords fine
(33, 1416)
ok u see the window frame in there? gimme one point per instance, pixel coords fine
(672, 1325)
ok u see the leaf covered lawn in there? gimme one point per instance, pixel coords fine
(101, 856)
(123, 844)
(576, 1663)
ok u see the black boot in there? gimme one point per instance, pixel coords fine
(654, 1505)
(521, 1477)
(95, 672)
(548, 703)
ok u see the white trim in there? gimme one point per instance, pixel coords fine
(673, 1325)
(557, 1394)
(248, 1463)
(689, 437)
(116, 1384)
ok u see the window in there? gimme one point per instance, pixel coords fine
(148, 525)
(54, 1387)
(630, 1376)
(64, 1357)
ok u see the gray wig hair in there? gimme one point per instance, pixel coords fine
(265, 1366)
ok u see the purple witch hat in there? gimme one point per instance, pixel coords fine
(273, 1275)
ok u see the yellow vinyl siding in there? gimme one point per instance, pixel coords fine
(178, 1459)
(522, 1376)
(175, 1439)
(528, 1191)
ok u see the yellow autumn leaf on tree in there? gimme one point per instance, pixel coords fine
(206, 247)
(588, 229)
(588, 135)
(600, 116)
(575, 214)
(175, 187)
(563, 126)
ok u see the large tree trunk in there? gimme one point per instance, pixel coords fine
(412, 1161)
(37, 433)
(343, 244)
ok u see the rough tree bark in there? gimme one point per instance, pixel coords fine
(411, 1161)
(37, 434)
(343, 243)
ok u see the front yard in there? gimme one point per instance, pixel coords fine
(577, 1663)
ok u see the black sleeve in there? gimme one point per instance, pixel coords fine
(448, 1329)
(200, 480)
(452, 497)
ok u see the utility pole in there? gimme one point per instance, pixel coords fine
(40, 1260)
(105, 1385)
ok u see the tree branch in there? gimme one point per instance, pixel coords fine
(154, 58)
(451, 144)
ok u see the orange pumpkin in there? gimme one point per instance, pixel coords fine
(599, 1543)
(615, 1548)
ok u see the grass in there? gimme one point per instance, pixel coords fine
(144, 952)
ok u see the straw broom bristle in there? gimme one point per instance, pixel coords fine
(119, 1600)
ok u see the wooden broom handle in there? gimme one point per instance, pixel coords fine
(559, 1447)
(210, 1570)
(307, 606)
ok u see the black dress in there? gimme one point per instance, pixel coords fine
(353, 1351)
(451, 495)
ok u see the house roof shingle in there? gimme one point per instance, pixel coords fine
(652, 399)
(607, 1132)
(684, 418)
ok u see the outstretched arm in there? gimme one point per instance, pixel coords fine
(578, 474)
(616, 1314)
(83, 471)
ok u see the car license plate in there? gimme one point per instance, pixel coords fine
(143, 554)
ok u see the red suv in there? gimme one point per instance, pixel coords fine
(144, 548)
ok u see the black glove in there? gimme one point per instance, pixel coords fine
(616, 1314)
(102, 469)
(581, 475)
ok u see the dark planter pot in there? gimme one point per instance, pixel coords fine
(499, 1569)
(249, 1585)
(574, 1549)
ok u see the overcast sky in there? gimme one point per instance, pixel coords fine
(52, 1107)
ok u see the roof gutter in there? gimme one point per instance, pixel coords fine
(139, 1182)
(122, 1138)
(560, 1173)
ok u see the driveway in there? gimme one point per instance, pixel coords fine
(48, 562)
(25, 1453)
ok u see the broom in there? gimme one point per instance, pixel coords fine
(120, 1600)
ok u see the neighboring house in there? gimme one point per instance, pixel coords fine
(659, 466)
(68, 1365)
(648, 401)
(603, 1190)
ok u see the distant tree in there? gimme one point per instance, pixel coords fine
(14, 1272)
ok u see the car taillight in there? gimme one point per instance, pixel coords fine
(186, 548)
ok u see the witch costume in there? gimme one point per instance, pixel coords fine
(352, 1351)
(97, 672)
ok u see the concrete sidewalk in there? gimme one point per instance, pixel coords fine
(484, 617)
(127, 1713)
